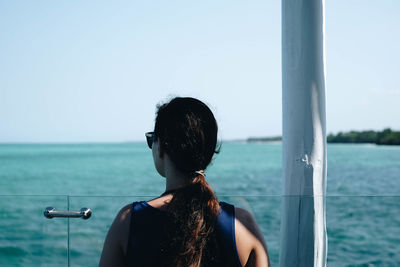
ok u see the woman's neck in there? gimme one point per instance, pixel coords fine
(174, 177)
(175, 181)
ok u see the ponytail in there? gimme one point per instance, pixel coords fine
(186, 130)
(193, 213)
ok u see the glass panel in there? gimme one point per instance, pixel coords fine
(87, 236)
(27, 238)
(363, 230)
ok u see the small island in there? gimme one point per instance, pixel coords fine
(385, 137)
(264, 139)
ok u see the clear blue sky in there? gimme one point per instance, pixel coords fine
(92, 71)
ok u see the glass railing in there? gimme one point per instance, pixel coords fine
(27, 238)
(362, 230)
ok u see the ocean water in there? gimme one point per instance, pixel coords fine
(362, 203)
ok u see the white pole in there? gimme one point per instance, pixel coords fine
(303, 226)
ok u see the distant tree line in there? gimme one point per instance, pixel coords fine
(264, 139)
(385, 137)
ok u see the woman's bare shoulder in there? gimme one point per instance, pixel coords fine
(160, 202)
(114, 247)
(121, 225)
(124, 213)
(247, 219)
(250, 241)
(244, 216)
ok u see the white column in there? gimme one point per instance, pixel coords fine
(303, 226)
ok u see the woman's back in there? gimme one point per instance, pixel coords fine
(148, 237)
(128, 244)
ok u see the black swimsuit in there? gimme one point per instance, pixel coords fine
(146, 235)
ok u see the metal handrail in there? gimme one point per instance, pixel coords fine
(84, 213)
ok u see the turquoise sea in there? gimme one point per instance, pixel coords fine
(362, 203)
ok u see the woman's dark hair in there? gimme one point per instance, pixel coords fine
(187, 132)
